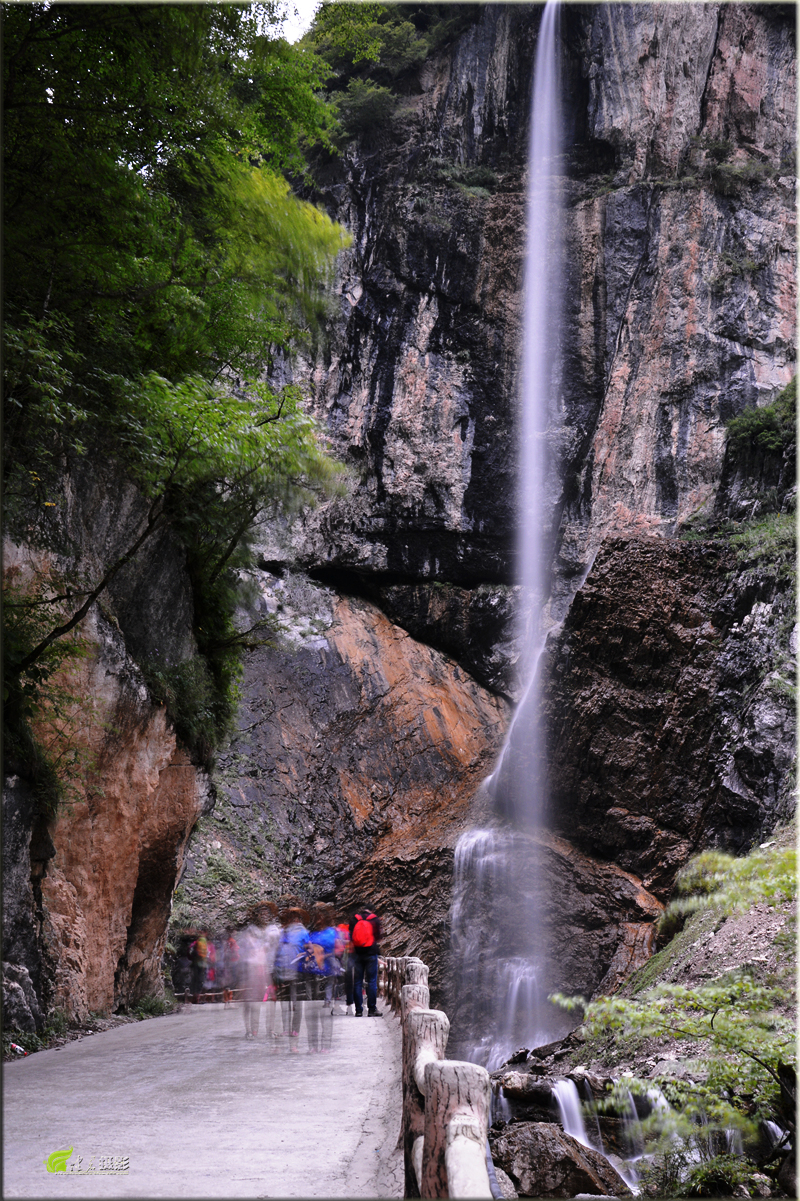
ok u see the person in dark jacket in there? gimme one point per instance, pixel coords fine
(365, 934)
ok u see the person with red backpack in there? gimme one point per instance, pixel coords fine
(365, 933)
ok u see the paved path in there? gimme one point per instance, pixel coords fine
(200, 1111)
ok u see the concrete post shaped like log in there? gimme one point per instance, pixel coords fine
(425, 1034)
(459, 1092)
(414, 996)
(398, 976)
(416, 971)
(465, 1159)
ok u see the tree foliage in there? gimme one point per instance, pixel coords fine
(374, 50)
(156, 262)
(734, 884)
(771, 429)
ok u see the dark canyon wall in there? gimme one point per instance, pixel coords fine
(364, 736)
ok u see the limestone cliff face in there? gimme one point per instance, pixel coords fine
(681, 274)
(680, 282)
(356, 744)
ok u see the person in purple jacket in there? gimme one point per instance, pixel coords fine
(365, 934)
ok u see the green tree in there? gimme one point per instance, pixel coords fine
(156, 262)
(374, 49)
(771, 429)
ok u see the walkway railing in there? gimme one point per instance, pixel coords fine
(446, 1102)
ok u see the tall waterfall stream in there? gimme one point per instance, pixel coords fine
(500, 925)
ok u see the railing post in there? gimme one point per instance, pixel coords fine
(425, 1034)
(394, 970)
(456, 1119)
(416, 972)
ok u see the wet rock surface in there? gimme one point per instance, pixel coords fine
(712, 946)
(595, 924)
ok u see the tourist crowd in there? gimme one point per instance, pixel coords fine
(300, 965)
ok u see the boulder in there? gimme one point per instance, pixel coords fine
(543, 1161)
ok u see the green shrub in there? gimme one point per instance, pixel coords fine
(718, 1177)
(150, 1007)
(365, 105)
(731, 178)
(55, 1026)
(771, 541)
(466, 175)
(199, 711)
(221, 870)
(771, 428)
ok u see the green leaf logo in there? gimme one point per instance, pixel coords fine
(57, 1162)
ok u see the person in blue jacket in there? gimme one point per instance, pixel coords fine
(289, 984)
(319, 968)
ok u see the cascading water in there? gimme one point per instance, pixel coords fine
(570, 1111)
(501, 906)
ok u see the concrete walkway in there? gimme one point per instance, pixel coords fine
(200, 1111)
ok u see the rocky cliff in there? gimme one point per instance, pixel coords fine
(679, 266)
(88, 888)
(679, 313)
(670, 707)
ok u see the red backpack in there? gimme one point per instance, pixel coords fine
(364, 931)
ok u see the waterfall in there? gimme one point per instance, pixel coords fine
(570, 1111)
(502, 902)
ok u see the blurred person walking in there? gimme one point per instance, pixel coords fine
(319, 967)
(345, 982)
(198, 954)
(231, 967)
(288, 982)
(272, 930)
(254, 973)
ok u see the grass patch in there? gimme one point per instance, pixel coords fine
(771, 539)
(150, 1007)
